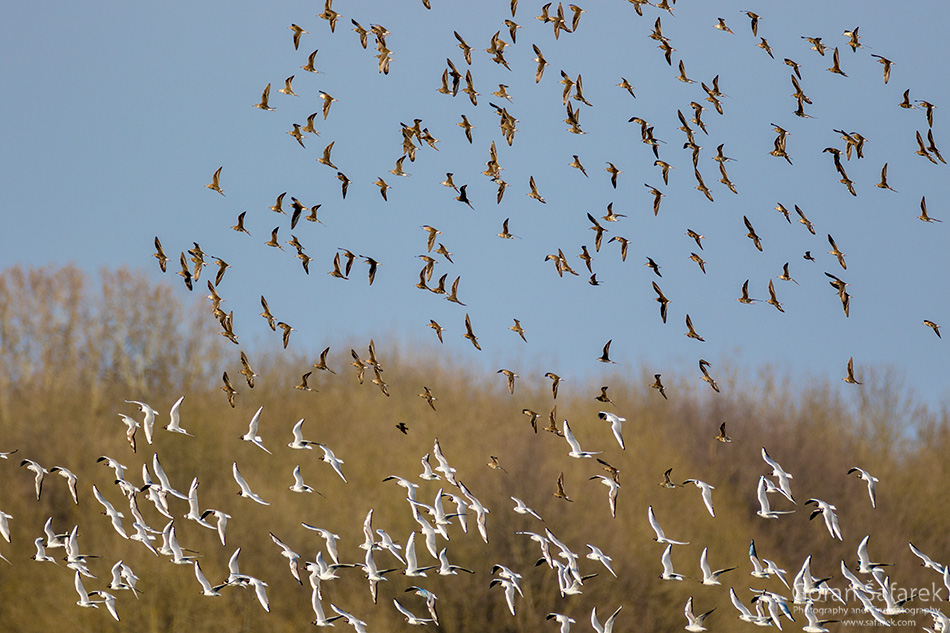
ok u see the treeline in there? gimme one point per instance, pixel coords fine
(73, 351)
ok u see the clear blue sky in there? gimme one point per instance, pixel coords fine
(116, 115)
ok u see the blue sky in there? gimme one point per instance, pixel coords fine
(117, 115)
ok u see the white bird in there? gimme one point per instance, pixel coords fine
(781, 473)
(804, 587)
(616, 425)
(410, 618)
(461, 510)
(291, 556)
(667, 561)
(427, 473)
(430, 599)
(235, 577)
(508, 574)
(330, 538)
(509, 591)
(871, 479)
(764, 571)
(564, 621)
(245, 489)
(607, 626)
(569, 579)
(710, 577)
(40, 474)
(156, 494)
(351, 619)
(926, 561)
(251, 435)
(597, 555)
(814, 624)
(141, 534)
(405, 483)
(765, 510)
(149, 422)
(865, 566)
(41, 556)
(322, 619)
(613, 489)
(481, 512)
(831, 519)
(386, 542)
(132, 426)
(320, 570)
(412, 564)
(174, 426)
(54, 540)
(163, 478)
(178, 555)
(706, 490)
(333, 460)
(891, 606)
(545, 547)
(70, 478)
(776, 606)
(369, 537)
(826, 591)
(259, 591)
(114, 465)
(772, 489)
(5, 525)
(447, 569)
(695, 622)
(429, 533)
(73, 557)
(521, 508)
(299, 443)
(566, 552)
(299, 485)
(109, 600)
(856, 585)
(129, 577)
(440, 515)
(443, 466)
(941, 621)
(744, 614)
(870, 608)
(576, 451)
(123, 579)
(774, 570)
(84, 600)
(193, 512)
(206, 588)
(222, 522)
(114, 515)
(660, 536)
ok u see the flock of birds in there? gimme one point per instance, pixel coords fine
(867, 584)
(452, 508)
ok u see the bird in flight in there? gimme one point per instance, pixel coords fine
(933, 326)
(722, 437)
(215, 184)
(658, 385)
(263, 105)
(469, 334)
(691, 332)
(605, 357)
(850, 379)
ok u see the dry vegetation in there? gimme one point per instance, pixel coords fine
(73, 353)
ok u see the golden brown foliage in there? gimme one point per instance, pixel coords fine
(72, 356)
